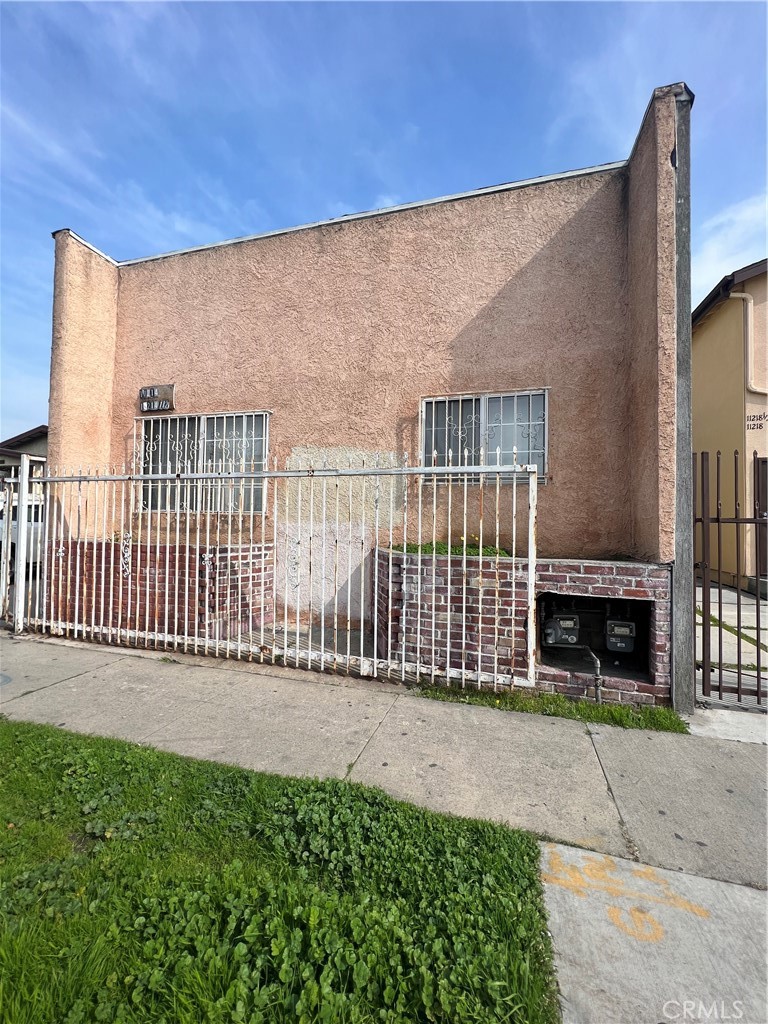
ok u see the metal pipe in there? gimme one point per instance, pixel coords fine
(368, 471)
(598, 679)
(749, 340)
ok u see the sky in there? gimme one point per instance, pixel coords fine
(149, 127)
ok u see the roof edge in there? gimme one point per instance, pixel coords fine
(677, 89)
(26, 435)
(723, 288)
(88, 245)
(365, 215)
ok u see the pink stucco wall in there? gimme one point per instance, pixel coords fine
(342, 329)
(652, 309)
(82, 356)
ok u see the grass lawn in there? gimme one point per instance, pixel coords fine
(642, 717)
(145, 887)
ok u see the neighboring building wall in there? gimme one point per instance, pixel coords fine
(756, 407)
(718, 410)
(10, 460)
(82, 355)
(727, 416)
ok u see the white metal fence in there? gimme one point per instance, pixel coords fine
(384, 569)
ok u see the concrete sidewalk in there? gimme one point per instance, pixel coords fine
(633, 944)
(678, 802)
(639, 945)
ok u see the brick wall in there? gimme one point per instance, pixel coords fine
(479, 620)
(180, 591)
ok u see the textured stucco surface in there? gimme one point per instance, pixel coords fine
(82, 356)
(722, 405)
(651, 274)
(342, 329)
(718, 410)
(756, 403)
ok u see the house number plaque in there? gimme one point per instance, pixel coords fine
(157, 398)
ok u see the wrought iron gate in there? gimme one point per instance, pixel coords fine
(379, 570)
(730, 526)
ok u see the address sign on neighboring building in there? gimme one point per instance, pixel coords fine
(157, 398)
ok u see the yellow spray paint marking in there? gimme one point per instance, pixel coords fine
(600, 873)
(642, 925)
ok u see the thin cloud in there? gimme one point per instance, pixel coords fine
(32, 141)
(385, 199)
(601, 95)
(732, 238)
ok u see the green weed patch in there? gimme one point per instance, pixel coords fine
(441, 548)
(660, 719)
(138, 886)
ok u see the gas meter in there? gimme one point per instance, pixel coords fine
(561, 630)
(620, 636)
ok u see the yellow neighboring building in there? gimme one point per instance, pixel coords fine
(730, 410)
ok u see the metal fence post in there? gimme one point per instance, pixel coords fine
(706, 576)
(9, 486)
(20, 569)
(531, 637)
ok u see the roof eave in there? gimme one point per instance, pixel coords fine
(723, 288)
(27, 435)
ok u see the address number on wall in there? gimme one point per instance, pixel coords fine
(157, 398)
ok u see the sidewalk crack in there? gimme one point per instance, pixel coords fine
(632, 851)
(351, 765)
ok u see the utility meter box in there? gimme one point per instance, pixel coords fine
(620, 636)
(561, 630)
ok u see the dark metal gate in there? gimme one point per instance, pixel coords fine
(730, 524)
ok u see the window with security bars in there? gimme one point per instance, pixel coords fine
(223, 443)
(455, 429)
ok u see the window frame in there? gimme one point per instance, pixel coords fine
(483, 398)
(140, 425)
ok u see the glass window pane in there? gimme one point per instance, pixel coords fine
(535, 436)
(428, 432)
(227, 443)
(453, 430)
(537, 407)
(439, 439)
(516, 421)
(157, 457)
(493, 428)
(470, 428)
(509, 440)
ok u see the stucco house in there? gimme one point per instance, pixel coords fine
(551, 315)
(730, 412)
(31, 442)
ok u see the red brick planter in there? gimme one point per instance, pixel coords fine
(215, 592)
(473, 622)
